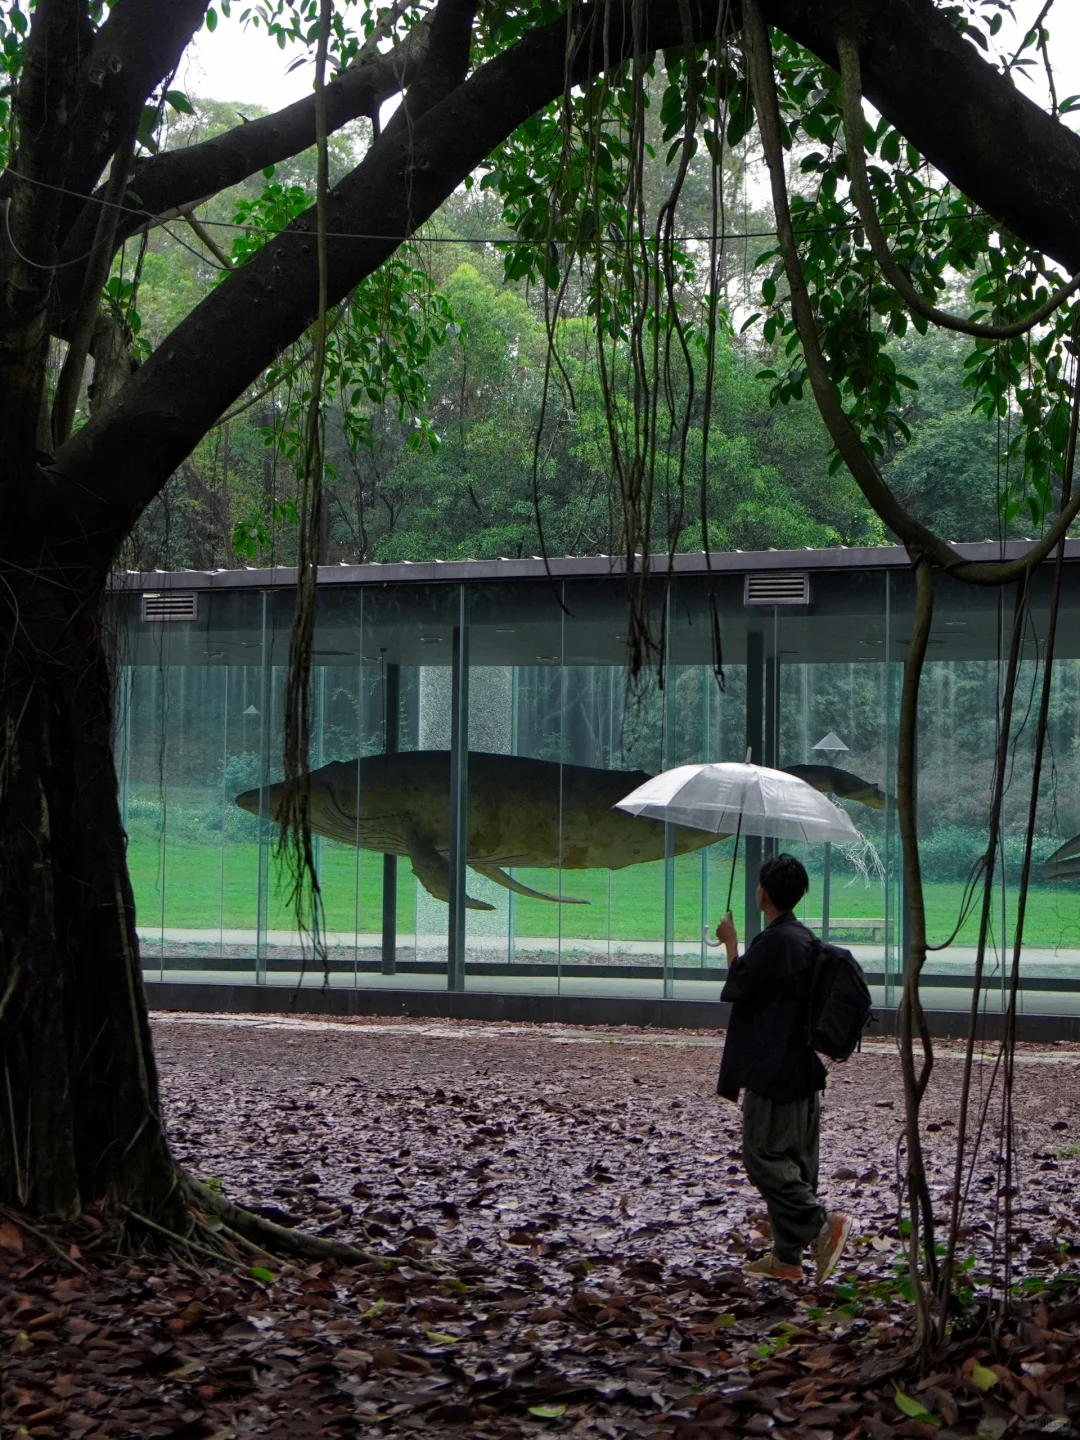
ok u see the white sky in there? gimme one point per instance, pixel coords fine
(245, 65)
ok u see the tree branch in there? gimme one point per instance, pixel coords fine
(97, 270)
(917, 537)
(112, 468)
(193, 173)
(138, 46)
(444, 64)
(200, 230)
(44, 106)
(971, 122)
(864, 200)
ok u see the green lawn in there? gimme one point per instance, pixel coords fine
(206, 887)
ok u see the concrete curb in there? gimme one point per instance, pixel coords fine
(545, 1009)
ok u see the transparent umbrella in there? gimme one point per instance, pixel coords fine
(729, 798)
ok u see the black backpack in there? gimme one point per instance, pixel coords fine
(840, 1004)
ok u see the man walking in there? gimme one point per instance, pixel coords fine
(768, 1055)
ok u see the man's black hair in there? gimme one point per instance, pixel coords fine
(784, 880)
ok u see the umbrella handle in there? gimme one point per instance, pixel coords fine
(705, 933)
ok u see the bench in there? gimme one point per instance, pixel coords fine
(844, 923)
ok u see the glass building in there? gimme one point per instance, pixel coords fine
(475, 726)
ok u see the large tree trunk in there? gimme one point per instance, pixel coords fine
(80, 1117)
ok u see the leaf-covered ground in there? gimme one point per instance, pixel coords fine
(568, 1215)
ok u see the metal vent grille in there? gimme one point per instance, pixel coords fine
(777, 589)
(170, 605)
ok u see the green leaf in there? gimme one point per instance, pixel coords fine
(913, 1408)
(890, 147)
(984, 1378)
(547, 1412)
(211, 19)
(148, 122)
(179, 102)
(258, 1272)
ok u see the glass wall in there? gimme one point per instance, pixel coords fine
(470, 743)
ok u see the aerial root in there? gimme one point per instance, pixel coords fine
(267, 1238)
(206, 1224)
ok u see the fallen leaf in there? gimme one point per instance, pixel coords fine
(11, 1238)
(914, 1409)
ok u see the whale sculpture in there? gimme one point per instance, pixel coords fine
(1064, 863)
(522, 812)
(841, 783)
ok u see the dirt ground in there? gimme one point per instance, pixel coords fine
(568, 1216)
(588, 1145)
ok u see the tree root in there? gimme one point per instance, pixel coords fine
(245, 1244)
(891, 1366)
(184, 1241)
(269, 1238)
(22, 1223)
(209, 1225)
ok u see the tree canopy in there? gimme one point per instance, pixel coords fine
(562, 187)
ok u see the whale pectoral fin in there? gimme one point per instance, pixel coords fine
(1067, 851)
(433, 869)
(500, 877)
(1064, 863)
(1067, 869)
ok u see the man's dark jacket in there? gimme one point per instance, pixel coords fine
(768, 1046)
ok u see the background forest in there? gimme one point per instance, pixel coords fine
(462, 431)
(456, 434)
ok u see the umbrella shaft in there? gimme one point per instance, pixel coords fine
(734, 859)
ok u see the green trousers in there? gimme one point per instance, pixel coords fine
(780, 1152)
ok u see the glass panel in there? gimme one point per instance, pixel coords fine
(707, 722)
(515, 747)
(199, 721)
(834, 728)
(615, 944)
(184, 750)
(959, 731)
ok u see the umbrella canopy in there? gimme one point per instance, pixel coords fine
(725, 798)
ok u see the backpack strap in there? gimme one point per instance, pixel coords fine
(817, 950)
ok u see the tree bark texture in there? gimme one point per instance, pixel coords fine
(79, 1111)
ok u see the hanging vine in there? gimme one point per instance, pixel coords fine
(295, 844)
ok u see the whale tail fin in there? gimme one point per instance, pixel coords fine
(500, 877)
(842, 783)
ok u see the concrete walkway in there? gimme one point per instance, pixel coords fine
(945, 998)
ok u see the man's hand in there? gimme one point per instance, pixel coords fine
(728, 936)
